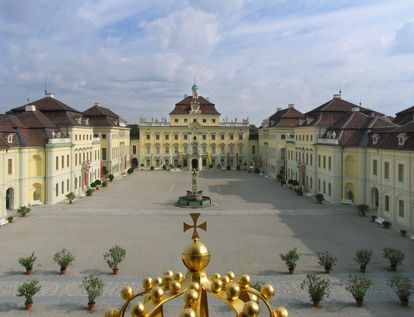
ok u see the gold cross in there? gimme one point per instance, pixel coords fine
(203, 226)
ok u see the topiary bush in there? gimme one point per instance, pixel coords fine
(131, 170)
(111, 177)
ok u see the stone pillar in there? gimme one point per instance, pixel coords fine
(23, 178)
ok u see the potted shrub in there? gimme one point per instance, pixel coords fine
(238, 167)
(178, 166)
(290, 182)
(114, 257)
(89, 192)
(131, 170)
(28, 263)
(403, 232)
(210, 166)
(386, 224)
(93, 185)
(291, 258)
(257, 170)
(23, 211)
(362, 209)
(363, 257)
(63, 258)
(94, 288)
(104, 183)
(98, 182)
(318, 288)
(295, 183)
(403, 287)
(152, 168)
(319, 198)
(142, 166)
(282, 182)
(394, 256)
(358, 286)
(327, 260)
(373, 218)
(299, 191)
(70, 197)
(111, 177)
(10, 219)
(228, 167)
(28, 290)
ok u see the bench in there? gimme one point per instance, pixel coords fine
(3, 221)
(346, 201)
(380, 220)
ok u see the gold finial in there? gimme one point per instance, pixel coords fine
(203, 226)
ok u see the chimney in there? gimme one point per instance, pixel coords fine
(291, 106)
(337, 96)
(49, 94)
(97, 104)
(278, 109)
(355, 109)
(30, 108)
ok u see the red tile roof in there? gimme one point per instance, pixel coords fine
(184, 106)
(288, 117)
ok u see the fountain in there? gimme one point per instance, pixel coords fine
(194, 197)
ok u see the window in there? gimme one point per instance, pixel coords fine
(104, 136)
(319, 161)
(63, 187)
(76, 159)
(148, 137)
(324, 187)
(157, 137)
(185, 137)
(186, 120)
(319, 185)
(231, 137)
(329, 163)
(134, 149)
(374, 167)
(329, 189)
(167, 137)
(283, 137)
(401, 208)
(324, 161)
(400, 172)
(67, 185)
(57, 189)
(387, 203)
(386, 170)
(10, 166)
(176, 120)
(194, 120)
(204, 137)
(213, 120)
(167, 149)
(213, 136)
(67, 160)
(204, 120)
(76, 137)
(103, 154)
(222, 136)
(240, 137)
(311, 159)
(253, 149)
(57, 162)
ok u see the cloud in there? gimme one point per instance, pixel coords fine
(404, 39)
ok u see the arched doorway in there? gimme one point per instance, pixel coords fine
(374, 198)
(134, 162)
(350, 191)
(10, 198)
(194, 164)
(37, 192)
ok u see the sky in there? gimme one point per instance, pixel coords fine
(139, 57)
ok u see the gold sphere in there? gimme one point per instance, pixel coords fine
(138, 310)
(280, 312)
(187, 312)
(169, 273)
(178, 277)
(127, 293)
(196, 256)
(233, 292)
(267, 291)
(157, 293)
(254, 298)
(195, 286)
(190, 297)
(147, 283)
(226, 281)
(244, 281)
(166, 280)
(157, 281)
(216, 285)
(175, 287)
(231, 275)
(215, 276)
(113, 312)
(250, 309)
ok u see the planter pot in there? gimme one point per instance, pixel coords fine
(328, 270)
(359, 302)
(115, 271)
(62, 271)
(403, 232)
(29, 271)
(373, 218)
(291, 271)
(316, 304)
(393, 268)
(70, 202)
(404, 302)
(362, 269)
(29, 306)
(91, 306)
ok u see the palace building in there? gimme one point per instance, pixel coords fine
(348, 153)
(48, 149)
(195, 137)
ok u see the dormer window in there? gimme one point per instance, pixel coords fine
(375, 138)
(402, 138)
(10, 138)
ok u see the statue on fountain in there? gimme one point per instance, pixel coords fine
(194, 197)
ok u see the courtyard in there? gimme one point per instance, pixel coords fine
(252, 221)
